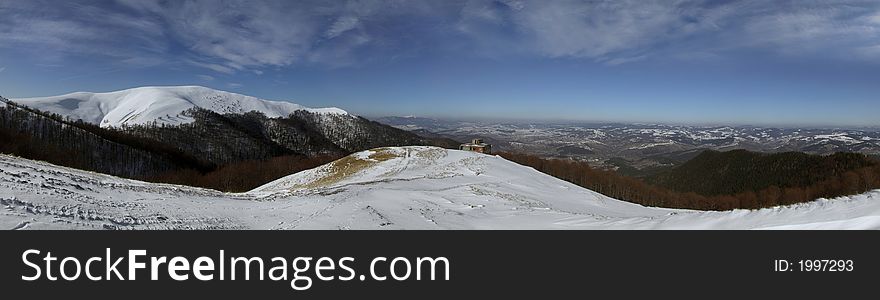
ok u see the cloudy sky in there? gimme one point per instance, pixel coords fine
(800, 62)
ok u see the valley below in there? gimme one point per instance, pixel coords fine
(640, 149)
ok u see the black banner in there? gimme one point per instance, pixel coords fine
(480, 264)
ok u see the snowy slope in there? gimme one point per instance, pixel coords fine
(390, 188)
(161, 104)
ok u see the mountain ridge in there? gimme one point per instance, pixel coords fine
(160, 104)
(245, 139)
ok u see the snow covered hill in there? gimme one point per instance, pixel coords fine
(386, 188)
(161, 104)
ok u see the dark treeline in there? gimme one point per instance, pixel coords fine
(245, 175)
(611, 184)
(714, 173)
(226, 139)
(230, 138)
(357, 133)
(50, 137)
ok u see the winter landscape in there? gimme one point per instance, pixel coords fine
(431, 115)
(408, 187)
(397, 188)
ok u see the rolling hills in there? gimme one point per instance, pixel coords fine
(637, 148)
(385, 188)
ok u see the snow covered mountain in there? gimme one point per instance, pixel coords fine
(385, 188)
(164, 105)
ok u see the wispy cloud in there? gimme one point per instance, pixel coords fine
(212, 66)
(869, 52)
(341, 25)
(234, 85)
(205, 77)
(2, 69)
(624, 60)
(241, 36)
(834, 28)
(67, 28)
(615, 32)
(226, 37)
(233, 36)
(574, 28)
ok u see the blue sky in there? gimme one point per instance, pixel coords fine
(803, 62)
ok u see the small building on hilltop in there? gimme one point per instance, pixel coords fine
(476, 145)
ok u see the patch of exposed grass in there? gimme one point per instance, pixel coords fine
(383, 154)
(349, 165)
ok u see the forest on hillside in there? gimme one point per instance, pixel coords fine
(852, 174)
(50, 137)
(227, 152)
(714, 173)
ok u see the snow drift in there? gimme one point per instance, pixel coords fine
(164, 105)
(386, 188)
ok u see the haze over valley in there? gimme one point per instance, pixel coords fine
(641, 148)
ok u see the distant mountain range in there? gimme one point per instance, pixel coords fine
(639, 148)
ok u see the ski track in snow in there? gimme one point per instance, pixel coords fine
(416, 188)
